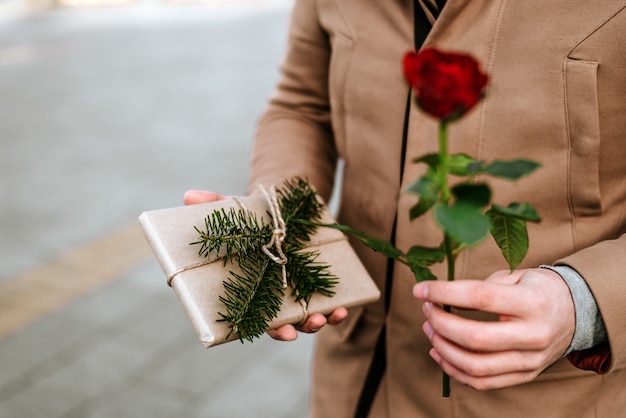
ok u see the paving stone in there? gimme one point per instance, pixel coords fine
(270, 384)
(137, 401)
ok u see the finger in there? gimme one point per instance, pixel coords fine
(337, 316)
(480, 335)
(482, 383)
(284, 333)
(474, 294)
(314, 323)
(485, 364)
(194, 197)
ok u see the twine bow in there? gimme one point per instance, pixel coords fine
(278, 237)
(279, 233)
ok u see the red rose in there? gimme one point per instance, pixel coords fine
(446, 84)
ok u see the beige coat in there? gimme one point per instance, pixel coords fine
(557, 95)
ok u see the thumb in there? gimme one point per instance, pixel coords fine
(194, 197)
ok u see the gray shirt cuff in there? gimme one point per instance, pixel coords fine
(590, 329)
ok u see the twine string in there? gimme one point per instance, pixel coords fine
(278, 237)
(192, 266)
(305, 311)
(240, 203)
(279, 233)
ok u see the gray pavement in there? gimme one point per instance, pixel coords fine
(105, 113)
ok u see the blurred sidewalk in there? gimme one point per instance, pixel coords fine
(106, 112)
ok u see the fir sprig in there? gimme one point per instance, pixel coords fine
(312, 277)
(254, 291)
(298, 201)
(252, 297)
(231, 232)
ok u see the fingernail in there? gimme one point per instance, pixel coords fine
(420, 290)
(428, 330)
(426, 308)
(435, 355)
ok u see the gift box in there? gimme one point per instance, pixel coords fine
(198, 282)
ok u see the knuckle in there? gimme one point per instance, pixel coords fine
(477, 340)
(529, 362)
(527, 378)
(481, 297)
(541, 338)
(542, 303)
(478, 370)
(481, 385)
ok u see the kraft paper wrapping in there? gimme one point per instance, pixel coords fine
(198, 282)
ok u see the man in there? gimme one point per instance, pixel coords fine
(556, 96)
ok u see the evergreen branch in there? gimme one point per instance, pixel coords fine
(310, 276)
(298, 201)
(234, 232)
(253, 297)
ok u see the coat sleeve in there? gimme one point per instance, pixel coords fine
(294, 136)
(608, 285)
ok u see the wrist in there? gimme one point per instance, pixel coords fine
(589, 330)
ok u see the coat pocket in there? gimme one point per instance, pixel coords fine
(340, 61)
(583, 129)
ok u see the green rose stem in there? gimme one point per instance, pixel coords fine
(450, 261)
(445, 195)
(443, 162)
